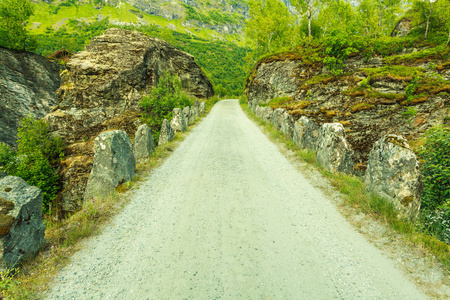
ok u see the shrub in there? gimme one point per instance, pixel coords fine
(36, 158)
(161, 101)
(436, 174)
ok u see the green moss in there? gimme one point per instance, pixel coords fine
(389, 96)
(393, 71)
(433, 53)
(279, 101)
(322, 78)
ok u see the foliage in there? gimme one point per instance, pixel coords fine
(35, 159)
(409, 113)
(212, 16)
(270, 26)
(161, 101)
(435, 209)
(13, 17)
(339, 47)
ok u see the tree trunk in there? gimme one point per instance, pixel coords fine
(426, 29)
(309, 25)
(448, 41)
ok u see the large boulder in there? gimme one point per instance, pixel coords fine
(259, 111)
(333, 151)
(101, 90)
(178, 122)
(202, 107)
(287, 125)
(306, 134)
(192, 115)
(166, 135)
(27, 87)
(266, 114)
(144, 145)
(186, 112)
(22, 230)
(114, 164)
(277, 118)
(393, 173)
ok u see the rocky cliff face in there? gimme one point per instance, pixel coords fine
(27, 87)
(101, 90)
(369, 100)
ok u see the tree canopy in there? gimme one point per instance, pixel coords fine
(13, 17)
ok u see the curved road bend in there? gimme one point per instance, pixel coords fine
(228, 217)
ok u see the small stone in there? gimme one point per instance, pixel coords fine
(178, 122)
(166, 135)
(144, 145)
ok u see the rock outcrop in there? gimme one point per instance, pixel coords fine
(368, 105)
(306, 134)
(27, 87)
(144, 145)
(21, 221)
(393, 173)
(333, 151)
(101, 90)
(166, 135)
(178, 122)
(114, 164)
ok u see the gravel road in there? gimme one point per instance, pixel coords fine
(228, 217)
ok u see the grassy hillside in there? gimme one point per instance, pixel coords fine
(62, 25)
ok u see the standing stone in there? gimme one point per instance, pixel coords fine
(192, 115)
(144, 145)
(186, 112)
(266, 114)
(306, 133)
(114, 164)
(277, 118)
(178, 122)
(166, 134)
(393, 173)
(21, 225)
(287, 125)
(259, 111)
(333, 151)
(202, 107)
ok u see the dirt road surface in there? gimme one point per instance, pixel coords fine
(228, 217)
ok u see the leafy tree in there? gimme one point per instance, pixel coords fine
(338, 16)
(368, 18)
(308, 8)
(426, 11)
(269, 27)
(13, 17)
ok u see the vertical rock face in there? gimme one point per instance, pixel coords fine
(178, 122)
(306, 134)
(393, 173)
(114, 164)
(277, 117)
(144, 145)
(287, 125)
(166, 135)
(333, 151)
(186, 112)
(21, 218)
(27, 87)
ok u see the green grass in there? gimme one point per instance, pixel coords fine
(356, 197)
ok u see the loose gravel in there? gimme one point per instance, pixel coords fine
(227, 216)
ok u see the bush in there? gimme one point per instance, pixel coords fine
(163, 98)
(436, 174)
(36, 158)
